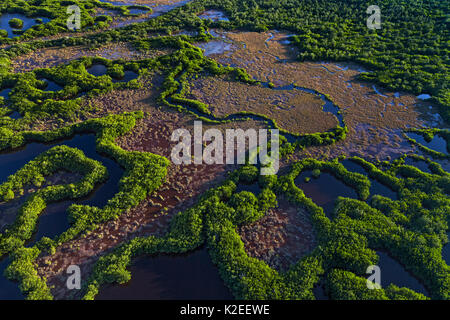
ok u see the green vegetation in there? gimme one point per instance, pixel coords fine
(409, 53)
(56, 11)
(144, 173)
(16, 23)
(428, 135)
(411, 229)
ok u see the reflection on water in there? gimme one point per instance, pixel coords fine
(394, 272)
(324, 190)
(51, 85)
(129, 75)
(214, 15)
(189, 277)
(419, 164)
(214, 47)
(97, 70)
(437, 143)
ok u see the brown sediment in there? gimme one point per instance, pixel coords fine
(281, 238)
(266, 57)
(51, 57)
(293, 110)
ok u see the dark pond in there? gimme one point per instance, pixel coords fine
(27, 22)
(101, 70)
(254, 188)
(437, 144)
(324, 190)
(329, 106)
(137, 11)
(9, 290)
(164, 277)
(51, 85)
(5, 93)
(53, 221)
(380, 189)
(129, 75)
(15, 115)
(97, 70)
(215, 47)
(419, 164)
(446, 251)
(352, 166)
(375, 186)
(393, 272)
(214, 15)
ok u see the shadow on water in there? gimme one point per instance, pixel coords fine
(375, 186)
(27, 23)
(129, 75)
(446, 251)
(53, 220)
(437, 143)
(319, 292)
(393, 272)
(98, 70)
(419, 164)
(15, 115)
(329, 106)
(51, 85)
(324, 190)
(188, 276)
(9, 290)
(118, 3)
(214, 15)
